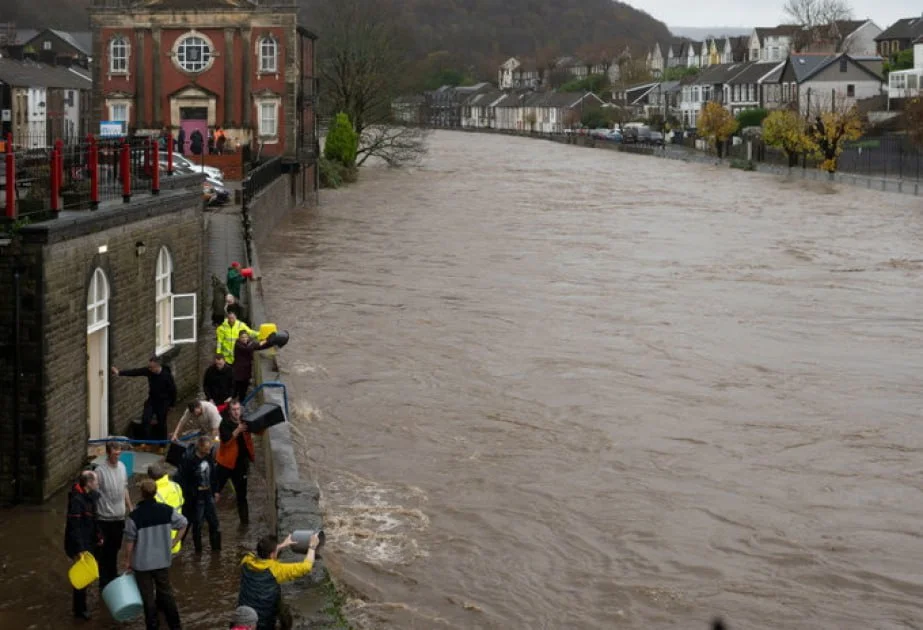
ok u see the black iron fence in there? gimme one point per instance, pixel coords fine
(260, 177)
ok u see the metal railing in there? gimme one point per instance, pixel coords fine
(78, 176)
(261, 177)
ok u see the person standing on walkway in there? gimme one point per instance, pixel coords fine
(80, 533)
(235, 280)
(181, 142)
(148, 538)
(204, 415)
(243, 363)
(218, 382)
(227, 335)
(161, 395)
(262, 574)
(168, 492)
(198, 478)
(114, 503)
(234, 456)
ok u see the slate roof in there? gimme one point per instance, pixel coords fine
(556, 99)
(807, 65)
(720, 73)
(754, 71)
(32, 74)
(905, 28)
(81, 41)
(192, 5)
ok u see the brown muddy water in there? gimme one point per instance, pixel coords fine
(550, 387)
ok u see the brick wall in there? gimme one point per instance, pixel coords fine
(60, 257)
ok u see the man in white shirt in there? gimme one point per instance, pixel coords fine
(113, 504)
(204, 414)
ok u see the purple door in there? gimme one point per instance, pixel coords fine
(194, 119)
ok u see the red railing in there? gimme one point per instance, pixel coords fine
(80, 175)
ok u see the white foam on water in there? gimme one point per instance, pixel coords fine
(372, 522)
(303, 367)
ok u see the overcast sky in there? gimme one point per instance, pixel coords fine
(764, 13)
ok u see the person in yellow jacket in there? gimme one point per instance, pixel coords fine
(168, 492)
(262, 573)
(228, 333)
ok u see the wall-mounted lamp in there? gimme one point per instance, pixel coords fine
(140, 248)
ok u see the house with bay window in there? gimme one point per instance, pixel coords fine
(243, 65)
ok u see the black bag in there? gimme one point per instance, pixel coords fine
(175, 454)
(267, 415)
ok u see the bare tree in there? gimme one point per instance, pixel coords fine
(818, 22)
(363, 64)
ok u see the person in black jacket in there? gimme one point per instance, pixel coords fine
(198, 478)
(161, 395)
(81, 534)
(218, 383)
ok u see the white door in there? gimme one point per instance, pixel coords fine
(98, 383)
(98, 356)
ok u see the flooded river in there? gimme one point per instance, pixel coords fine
(550, 387)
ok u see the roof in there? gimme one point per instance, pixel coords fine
(905, 28)
(775, 75)
(24, 35)
(81, 41)
(484, 98)
(754, 71)
(720, 73)
(807, 66)
(32, 74)
(198, 4)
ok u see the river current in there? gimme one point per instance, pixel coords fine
(550, 387)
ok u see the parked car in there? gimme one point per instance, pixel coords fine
(184, 162)
(656, 138)
(614, 135)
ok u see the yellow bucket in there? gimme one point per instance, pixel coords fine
(84, 572)
(266, 330)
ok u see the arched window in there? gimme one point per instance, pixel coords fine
(269, 55)
(163, 282)
(118, 56)
(98, 302)
(176, 320)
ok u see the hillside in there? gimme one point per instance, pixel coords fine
(477, 34)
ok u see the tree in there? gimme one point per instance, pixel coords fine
(716, 124)
(834, 121)
(786, 130)
(678, 73)
(342, 141)
(901, 61)
(817, 22)
(363, 65)
(596, 83)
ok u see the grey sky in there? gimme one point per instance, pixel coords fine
(765, 13)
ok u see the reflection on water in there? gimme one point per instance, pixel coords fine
(549, 387)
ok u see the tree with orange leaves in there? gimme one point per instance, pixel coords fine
(717, 124)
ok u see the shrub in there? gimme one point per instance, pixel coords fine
(744, 165)
(331, 173)
(342, 141)
(751, 117)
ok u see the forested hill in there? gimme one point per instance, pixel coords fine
(477, 34)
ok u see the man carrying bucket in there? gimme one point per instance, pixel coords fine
(80, 533)
(148, 538)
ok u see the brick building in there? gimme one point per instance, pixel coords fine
(243, 65)
(87, 291)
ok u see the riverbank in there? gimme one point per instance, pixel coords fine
(686, 154)
(293, 500)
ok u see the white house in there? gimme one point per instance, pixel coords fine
(743, 91)
(514, 74)
(821, 82)
(506, 112)
(506, 72)
(771, 44)
(553, 112)
(478, 111)
(908, 83)
(861, 40)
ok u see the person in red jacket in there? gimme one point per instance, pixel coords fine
(234, 456)
(81, 533)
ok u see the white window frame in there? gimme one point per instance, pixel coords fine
(163, 302)
(46, 45)
(268, 53)
(119, 54)
(192, 317)
(197, 67)
(113, 107)
(97, 302)
(274, 104)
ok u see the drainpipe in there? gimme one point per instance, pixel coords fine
(17, 376)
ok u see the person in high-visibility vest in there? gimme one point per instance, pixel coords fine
(168, 492)
(227, 334)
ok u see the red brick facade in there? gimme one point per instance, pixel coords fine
(202, 64)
